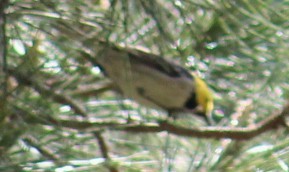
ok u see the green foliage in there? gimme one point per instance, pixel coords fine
(240, 47)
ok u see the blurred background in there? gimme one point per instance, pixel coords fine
(58, 112)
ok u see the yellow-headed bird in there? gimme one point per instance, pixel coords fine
(156, 82)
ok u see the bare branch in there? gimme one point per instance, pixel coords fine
(238, 133)
(46, 92)
(104, 150)
(271, 123)
(45, 152)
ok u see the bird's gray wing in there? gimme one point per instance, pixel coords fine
(157, 63)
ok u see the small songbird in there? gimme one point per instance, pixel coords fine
(156, 82)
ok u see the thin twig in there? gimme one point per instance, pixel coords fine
(104, 151)
(45, 152)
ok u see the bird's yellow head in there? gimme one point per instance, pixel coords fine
(204, 98)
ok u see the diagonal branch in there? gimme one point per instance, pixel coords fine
(104, 151)
(48, 154)
(46, 92)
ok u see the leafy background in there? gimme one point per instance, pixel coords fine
(240, 47)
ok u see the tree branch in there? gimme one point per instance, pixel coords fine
(3, 40)
(238, 133)
(104, 151)
(46, 92)
(3, 57)
(43, 151)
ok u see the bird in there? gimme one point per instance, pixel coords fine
(156, 82)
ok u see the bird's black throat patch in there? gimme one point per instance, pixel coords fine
(191, 103)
